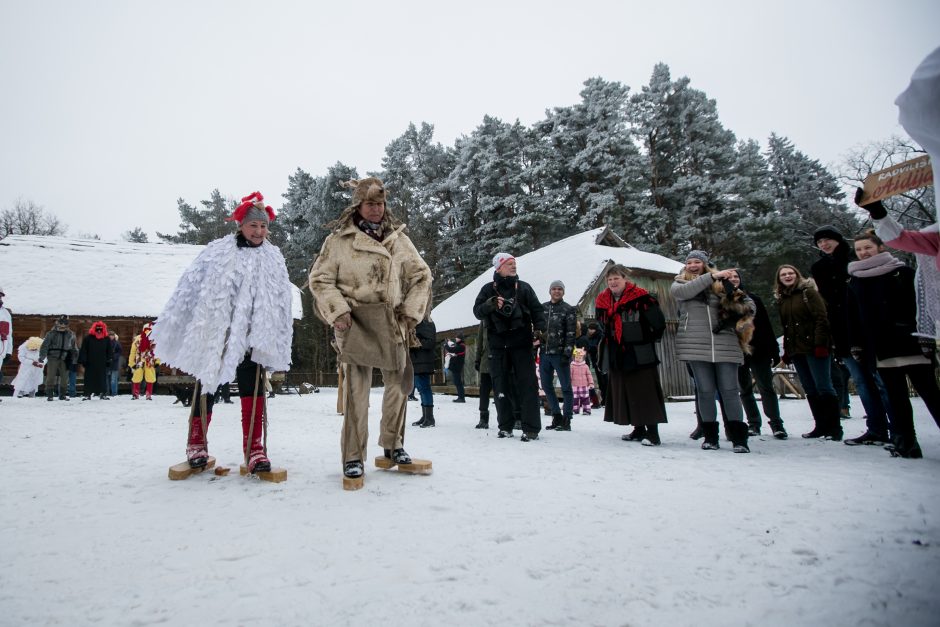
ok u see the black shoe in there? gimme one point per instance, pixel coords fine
(418, 423)
(565, 424)
(412, 397)
(399, 456)
(710, 434)
(86, 398)
(528, 435)
(780, 434)
(229, 401)
(753, 431)
(198, 462)
(353, 469)
(504, 434)
(459, 400)
(817, 432)
(483, 424)
(906, 447)
(49, 398)
(262, 466)
(636, 435)
(868, 438)
(556, 420)
(697, 433)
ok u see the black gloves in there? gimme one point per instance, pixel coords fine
(876, 209)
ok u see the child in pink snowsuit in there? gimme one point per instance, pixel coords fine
(581, 382)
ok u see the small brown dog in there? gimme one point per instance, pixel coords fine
(734, 312)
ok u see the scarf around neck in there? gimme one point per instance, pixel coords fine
(877, 265)
(605, 302)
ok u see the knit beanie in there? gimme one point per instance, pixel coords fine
(828, 232)
(556, 283)
(701, 255)
(499, 259)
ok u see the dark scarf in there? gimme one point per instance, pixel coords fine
(375, 230)
(605, 303)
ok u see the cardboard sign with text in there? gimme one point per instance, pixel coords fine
(897, 179)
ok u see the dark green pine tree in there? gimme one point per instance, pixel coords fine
(201, 225)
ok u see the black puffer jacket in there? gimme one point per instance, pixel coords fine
(510, 329)
(561, 321)
(422, 359)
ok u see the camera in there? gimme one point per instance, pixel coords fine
(508, 305)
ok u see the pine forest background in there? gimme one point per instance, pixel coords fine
(656, 165)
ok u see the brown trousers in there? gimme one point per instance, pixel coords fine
(357, 383)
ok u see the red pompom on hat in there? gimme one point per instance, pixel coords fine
(252, 207)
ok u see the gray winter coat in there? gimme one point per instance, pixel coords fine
(698, 315)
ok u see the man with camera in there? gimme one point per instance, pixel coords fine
(514, 318)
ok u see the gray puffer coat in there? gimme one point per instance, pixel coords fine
(698, 315)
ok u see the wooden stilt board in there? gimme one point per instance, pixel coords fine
(353, 483)
(275, 475)
(416, 467)
(182, 470)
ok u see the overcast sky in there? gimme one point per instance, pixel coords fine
(114, 109)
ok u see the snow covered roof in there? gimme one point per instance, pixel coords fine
(576, 261)
(48, 276)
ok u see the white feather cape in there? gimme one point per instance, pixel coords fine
(229, 301)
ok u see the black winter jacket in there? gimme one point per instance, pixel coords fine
(883, 314)
(561, 321)
(512, 329)
(422, 359)
(832, 276)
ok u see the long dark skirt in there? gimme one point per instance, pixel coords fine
(634, 397)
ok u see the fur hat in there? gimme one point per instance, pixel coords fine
(251, 208)
(557, 283)
(63, 320)
(499, 259)
(365, 190)
(701, 255)
(34, 343)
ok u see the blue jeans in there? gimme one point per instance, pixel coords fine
(872, 393)
(113, 381)
(549, 365)
(814, 375)
(423, 385)
(713, 380)
(73, 375)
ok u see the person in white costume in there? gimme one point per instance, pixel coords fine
(229, 319)
(29, 376)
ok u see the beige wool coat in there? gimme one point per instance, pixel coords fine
(353, 270)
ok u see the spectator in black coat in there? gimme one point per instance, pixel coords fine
(595, 335)
(555, 351)
(116, 364)
(422, 360)
(831, 275)
(513, 317)
(455, 353)
(758, 367)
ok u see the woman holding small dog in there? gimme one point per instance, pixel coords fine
(711, 348)
(806, 341)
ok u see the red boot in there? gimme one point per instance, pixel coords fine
(135, 390)
(257, 456)
(149, 391)
(197, 452)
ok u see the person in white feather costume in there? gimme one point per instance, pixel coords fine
(370, 284)
(229, 319)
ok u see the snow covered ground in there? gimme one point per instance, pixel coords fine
(577, 528)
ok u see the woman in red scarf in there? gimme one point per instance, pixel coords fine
(633, 323)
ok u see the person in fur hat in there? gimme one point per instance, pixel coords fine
(29, 376)
(58, 347)
(143, 363)
(94, 356)
(371, 285)
(229, 318)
